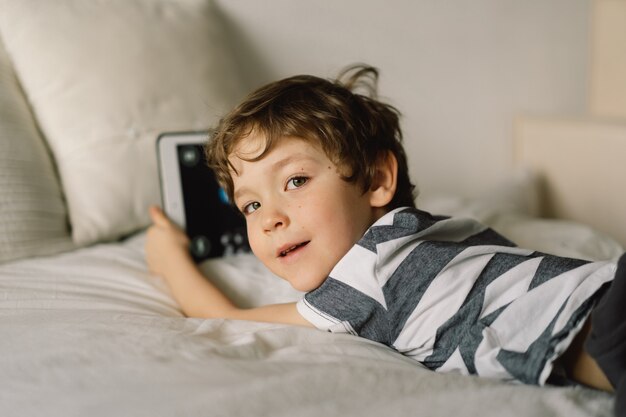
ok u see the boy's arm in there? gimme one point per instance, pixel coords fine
(167, 255)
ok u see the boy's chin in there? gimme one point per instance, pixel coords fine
(306, 285)
(302, 283)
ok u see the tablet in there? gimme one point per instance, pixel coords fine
(193, 199)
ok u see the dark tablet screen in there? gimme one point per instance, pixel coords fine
(215, 227)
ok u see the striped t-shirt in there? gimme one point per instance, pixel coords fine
(456, 296)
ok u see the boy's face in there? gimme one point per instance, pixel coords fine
(302, 217)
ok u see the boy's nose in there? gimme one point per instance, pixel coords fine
(275, 219)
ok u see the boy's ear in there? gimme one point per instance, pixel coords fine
(385, 181)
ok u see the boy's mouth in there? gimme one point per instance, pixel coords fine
(286, 251)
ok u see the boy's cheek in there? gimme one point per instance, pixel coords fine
(255, 246)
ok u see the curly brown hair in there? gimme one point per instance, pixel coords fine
(354, 129)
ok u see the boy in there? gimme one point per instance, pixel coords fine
(321, 177)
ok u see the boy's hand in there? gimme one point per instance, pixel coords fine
(167, 255)
(166, 244)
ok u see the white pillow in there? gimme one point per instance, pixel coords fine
(517, 194)
(558, 237)
(512, 209)
(33, 218)
(104, 78)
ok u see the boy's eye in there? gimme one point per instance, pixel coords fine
(250, 207)
(296, 182)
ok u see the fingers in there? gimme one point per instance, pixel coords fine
(158, 217)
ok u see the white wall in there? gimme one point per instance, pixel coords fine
(460, 71)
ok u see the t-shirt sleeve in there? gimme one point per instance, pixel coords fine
(350, 300)
(320, 319)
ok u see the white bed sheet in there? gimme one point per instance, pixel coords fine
(91, 333)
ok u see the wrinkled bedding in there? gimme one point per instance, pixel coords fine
(91, 333)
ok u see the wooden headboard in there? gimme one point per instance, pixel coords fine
(582, 166)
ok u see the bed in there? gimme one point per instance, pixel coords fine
(91, 332)
(86, 330)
